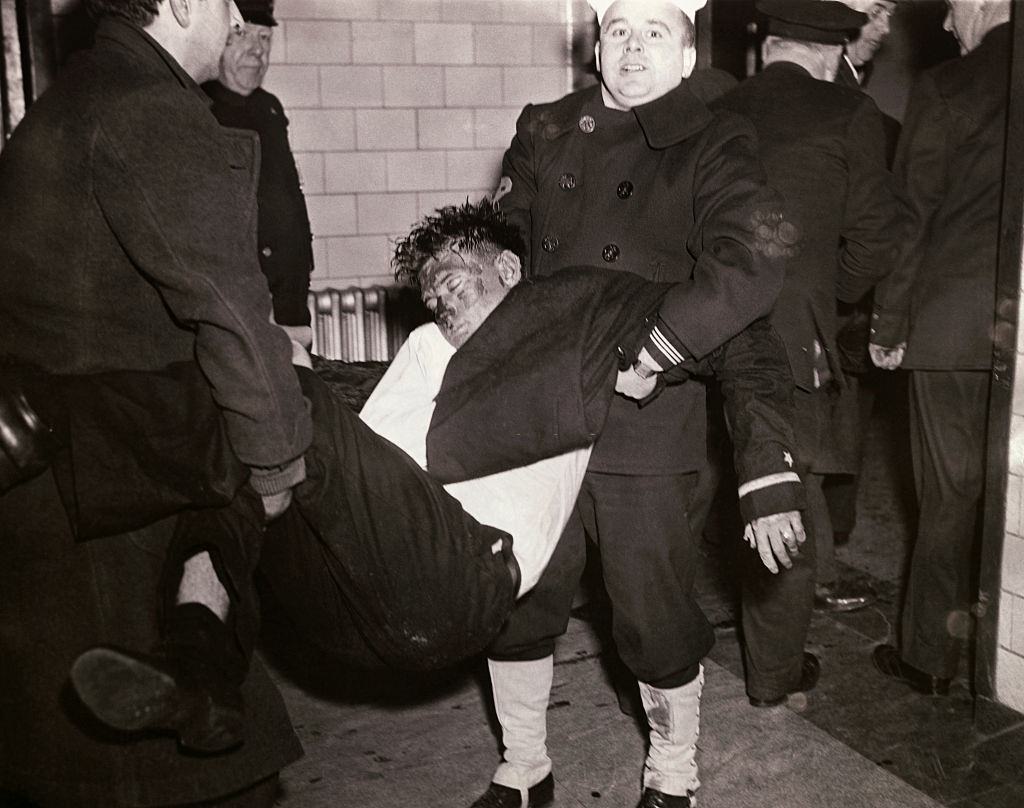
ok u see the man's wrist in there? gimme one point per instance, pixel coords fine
(643, 371)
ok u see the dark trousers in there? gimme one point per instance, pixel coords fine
(648, 562)
(776, 609)
(841, 489)
(948, 420)
(374, 558)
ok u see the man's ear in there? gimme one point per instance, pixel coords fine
(182, 11)
(689, 60)
(510, 268)
(597, 55)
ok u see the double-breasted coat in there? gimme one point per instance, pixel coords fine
(671, 192)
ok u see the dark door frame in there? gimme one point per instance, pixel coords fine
(1008, 286)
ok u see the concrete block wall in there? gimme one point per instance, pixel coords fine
(397, 107)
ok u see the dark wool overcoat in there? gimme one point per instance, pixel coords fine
(127, 242)
(671, 192)
(940, 298)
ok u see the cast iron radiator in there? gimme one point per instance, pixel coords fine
(363, 325)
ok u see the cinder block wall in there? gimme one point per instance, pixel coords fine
(1010, 653)
(400, 106)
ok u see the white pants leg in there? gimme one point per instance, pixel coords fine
(521, 694)
(674, 718)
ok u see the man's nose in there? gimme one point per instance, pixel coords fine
(256, 47)
(635, 42)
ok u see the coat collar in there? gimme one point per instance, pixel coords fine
(665, 121)
(788, 67)
(146, 50)
(224, 95)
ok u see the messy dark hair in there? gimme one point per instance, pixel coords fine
(140, 12)
(481, 228)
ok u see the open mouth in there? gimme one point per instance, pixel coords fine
(632, 68)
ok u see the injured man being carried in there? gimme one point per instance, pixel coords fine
(413, 533)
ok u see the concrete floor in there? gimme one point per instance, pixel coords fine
(857, 740)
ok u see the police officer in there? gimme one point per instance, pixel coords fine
(823, 147)
(858, 55)
(637, 174)
(285, 241)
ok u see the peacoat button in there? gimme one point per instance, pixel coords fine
(267, 252)
(610, 253)
(549, 244)
(625, 189)
(587, 124)
(567, 182)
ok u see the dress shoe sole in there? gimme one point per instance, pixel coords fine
(130, 695)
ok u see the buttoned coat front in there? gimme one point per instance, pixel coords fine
(668, 191)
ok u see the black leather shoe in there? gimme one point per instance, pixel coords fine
(504, 797)
(27, 445)
(810, 671)
(887, 659)
(652, 798)
(842, 596)
(134, 692)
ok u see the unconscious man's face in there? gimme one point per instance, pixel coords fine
(463, 288)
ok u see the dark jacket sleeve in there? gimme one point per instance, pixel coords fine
(757, 386)
(181, 201)
(920, 170)
(739, 238)
(870, 218)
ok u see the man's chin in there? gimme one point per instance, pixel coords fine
(456, 337)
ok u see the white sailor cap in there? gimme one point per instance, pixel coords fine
(688, 7)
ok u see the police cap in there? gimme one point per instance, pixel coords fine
(825, 21)
(258, 12)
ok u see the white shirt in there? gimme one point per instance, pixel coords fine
(531, 503)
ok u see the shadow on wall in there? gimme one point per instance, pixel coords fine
(584, 65)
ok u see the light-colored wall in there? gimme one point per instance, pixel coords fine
(1010, 653)
(400, 106)
(397, 107)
